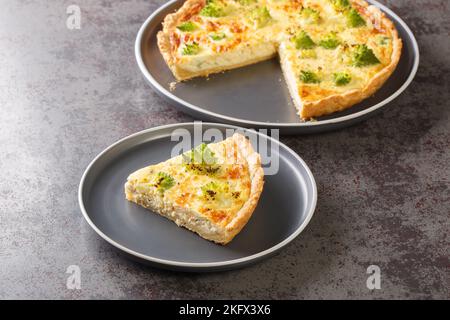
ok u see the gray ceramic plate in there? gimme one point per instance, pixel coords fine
(285, 207)
(256, 96)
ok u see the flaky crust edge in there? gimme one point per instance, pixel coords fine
(257, 182)
(163, 37)
(346, 100)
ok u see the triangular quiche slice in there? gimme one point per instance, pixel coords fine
(333, 53)
(211, 190)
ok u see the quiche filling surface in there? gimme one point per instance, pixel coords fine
(205, 190)
(334, 53)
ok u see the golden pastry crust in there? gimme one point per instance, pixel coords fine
(189, 8)
(257, 182)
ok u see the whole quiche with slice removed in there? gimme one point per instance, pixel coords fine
(211, 190)
(333, 53)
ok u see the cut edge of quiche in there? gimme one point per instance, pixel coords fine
(189, 203)
(341, 101)
(308, 108)
(235, 59)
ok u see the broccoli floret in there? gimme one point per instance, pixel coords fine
(217, 36)
(363, 56)
(303, 41)
(310, 15)
(330, 41)
(164, 181)
(201, 160)
(309, 77)
(210, 190)
(187, 26)
(200, 155)
(212, 10)
(191, 49)
(354, 19)
(261, 16)
(340, 5)
(341, 78)
(214, 189)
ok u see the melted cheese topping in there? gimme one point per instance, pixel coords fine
(214, 190)
(243, 38)
(325, 63)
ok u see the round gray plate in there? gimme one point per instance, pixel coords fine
(256, 96)
(285, 207)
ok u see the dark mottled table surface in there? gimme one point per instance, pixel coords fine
(65, 95)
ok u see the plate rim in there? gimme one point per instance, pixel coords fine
(197, 265)
(307, 124)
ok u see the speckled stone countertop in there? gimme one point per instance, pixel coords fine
(65, 95)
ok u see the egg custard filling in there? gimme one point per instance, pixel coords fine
(333, 53)
(211, 190)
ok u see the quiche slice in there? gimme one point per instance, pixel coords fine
(333, 53)
(211, 190)
(209, 36)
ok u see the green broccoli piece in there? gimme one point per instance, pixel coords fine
(217, 36)
(330, 41)
(340, 5)
(212, 10)
(164, 181)
(200, 154)
(303, 41)
(187, 26)
(310, 15)
(363, 56)
(191, 49)
(354, 19)
(341, 78)
(214, 189)
(309, 77)
(201, 160)
(210, 190)
(261, 16)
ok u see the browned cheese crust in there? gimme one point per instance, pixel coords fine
(308, 109)
(343, 101)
